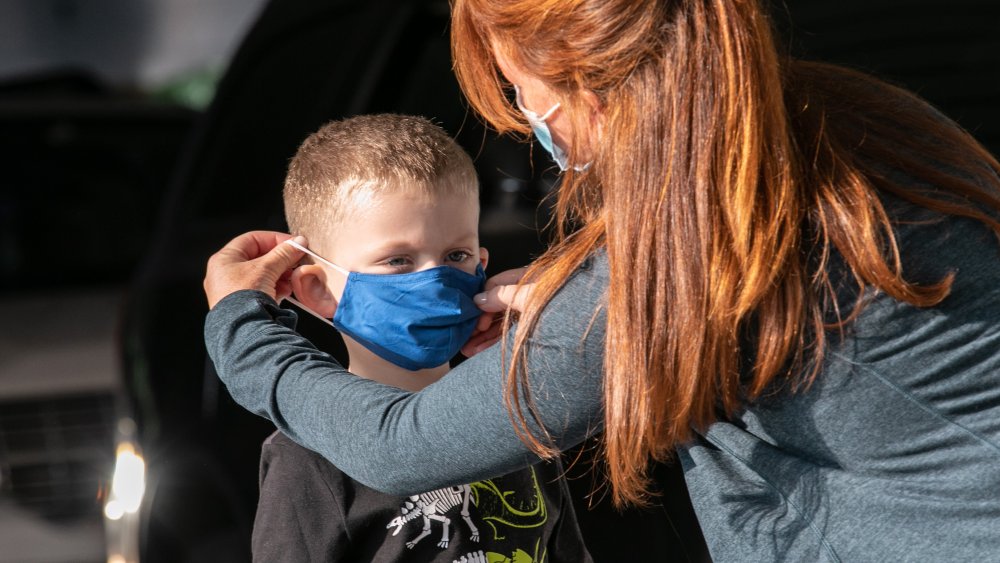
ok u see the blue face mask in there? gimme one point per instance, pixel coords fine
(417, 320)
(544, 135)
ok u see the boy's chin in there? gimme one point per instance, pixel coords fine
(367, 364)
(388, 373)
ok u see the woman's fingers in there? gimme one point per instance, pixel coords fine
(253, 244)
(501, 293)
(485, 320)
(483, 339)
(503, 297)
(506, 277)
(254, 260)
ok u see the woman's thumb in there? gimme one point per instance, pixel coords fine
(284, 257)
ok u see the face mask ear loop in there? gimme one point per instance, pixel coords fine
(318, 257)
(528, 112)
(298, 303)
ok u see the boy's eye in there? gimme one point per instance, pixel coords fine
(458, 256)
(397, 262)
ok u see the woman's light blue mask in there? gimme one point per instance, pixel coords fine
(417, 320)
(541, 130)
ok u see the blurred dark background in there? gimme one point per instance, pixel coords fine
(137, 137)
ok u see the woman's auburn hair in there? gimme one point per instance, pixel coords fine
(726, 178)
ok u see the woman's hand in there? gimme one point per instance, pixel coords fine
(501, 293)
(255, 260)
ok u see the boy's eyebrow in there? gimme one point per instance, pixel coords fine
(401, 244)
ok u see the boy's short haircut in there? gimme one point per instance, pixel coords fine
(367, 155)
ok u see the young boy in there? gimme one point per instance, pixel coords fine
(390, 207)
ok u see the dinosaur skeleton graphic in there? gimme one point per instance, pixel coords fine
(433, 506)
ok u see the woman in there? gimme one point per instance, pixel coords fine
(787, 271)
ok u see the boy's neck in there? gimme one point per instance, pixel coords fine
(364, 363)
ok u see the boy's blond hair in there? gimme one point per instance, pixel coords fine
(370, 155)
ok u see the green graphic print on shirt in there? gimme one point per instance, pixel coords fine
(505, 506)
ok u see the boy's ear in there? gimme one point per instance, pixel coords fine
(484, 257)
(309, 285)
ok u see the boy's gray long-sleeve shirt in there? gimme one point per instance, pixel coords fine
(892, 454)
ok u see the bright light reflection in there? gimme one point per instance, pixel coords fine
(113, 510)
(128, 483)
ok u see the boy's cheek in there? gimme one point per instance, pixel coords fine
(336, 284)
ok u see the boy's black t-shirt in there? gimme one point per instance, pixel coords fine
(311, 511)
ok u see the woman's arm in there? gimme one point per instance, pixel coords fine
(456, 430)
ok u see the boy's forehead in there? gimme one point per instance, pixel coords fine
(370, 196)
(367, 202)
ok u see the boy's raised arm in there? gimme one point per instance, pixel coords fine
(457, 430)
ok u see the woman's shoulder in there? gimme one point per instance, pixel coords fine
(579, 306)
(933, 245)
(588, 283)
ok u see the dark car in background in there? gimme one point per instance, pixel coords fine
(83, 174)
(85, 158)
(179, 184)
